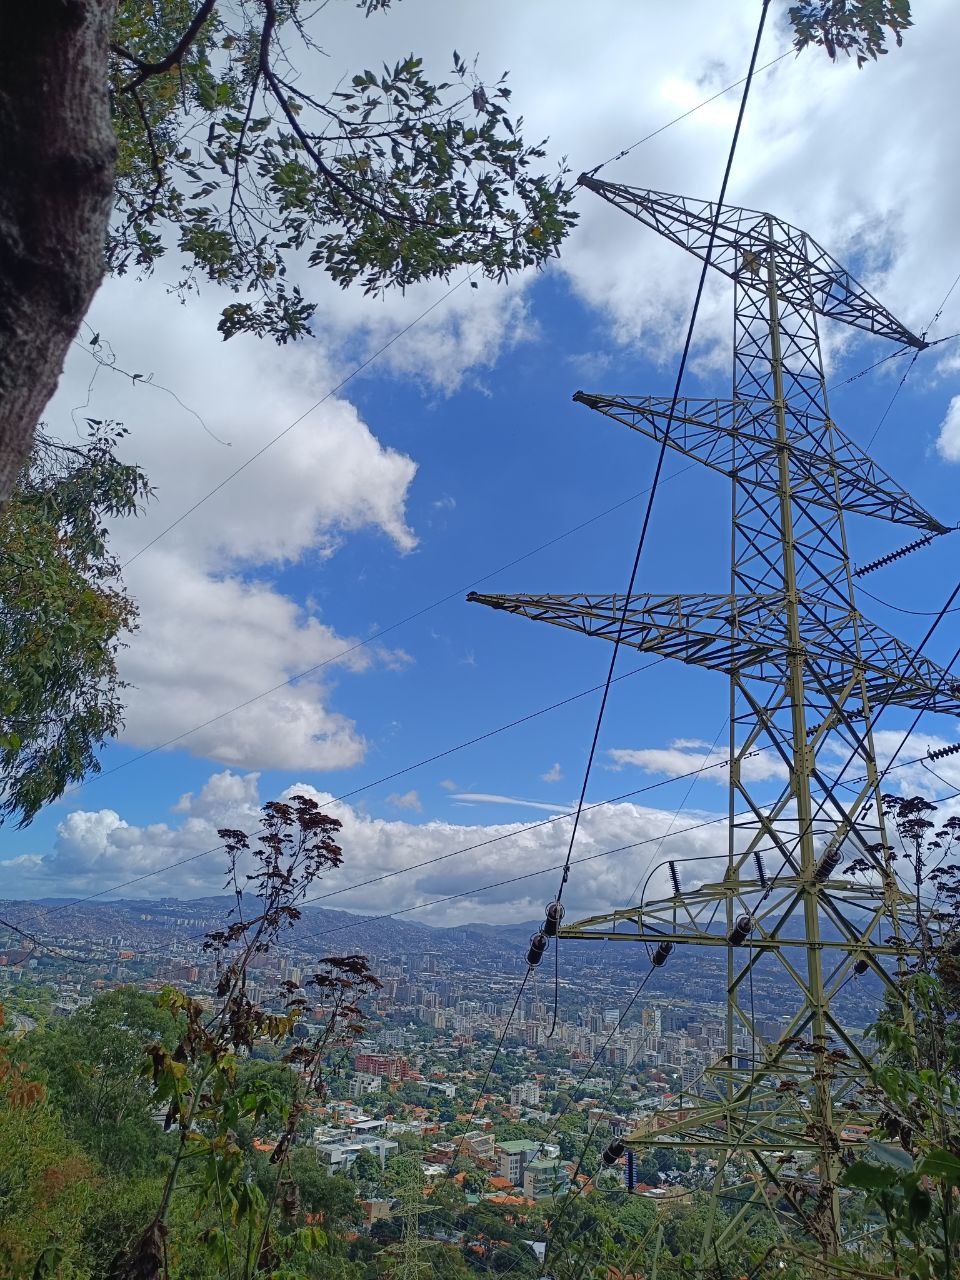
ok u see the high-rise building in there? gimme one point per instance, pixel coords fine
(525, 1094)
(652, 1021)
(382, 1064)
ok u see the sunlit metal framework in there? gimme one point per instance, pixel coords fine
(807, 673)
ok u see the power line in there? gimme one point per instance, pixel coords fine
(658, 469)
(380, 632)
(915, 613)
(692, 774)
(296, 421)
(693, 110)
(893, 399)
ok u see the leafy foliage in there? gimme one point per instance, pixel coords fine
(46, 1183)
(89, 1064)
(852, 27)
(63, 615)
(914, 1180)
(252, 1228)
(910, 1172)
(388, 178)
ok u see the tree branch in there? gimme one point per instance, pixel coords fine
(148, 69)
(304, 138)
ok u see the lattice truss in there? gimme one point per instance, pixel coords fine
(807, 672)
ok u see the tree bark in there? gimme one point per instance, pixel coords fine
(57, 153)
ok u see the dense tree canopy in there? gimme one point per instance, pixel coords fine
(231, 159)
(63, 616)
(207, 134)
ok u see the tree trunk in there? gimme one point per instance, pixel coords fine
(57, 152)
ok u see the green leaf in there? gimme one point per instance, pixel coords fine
(919, 1205)
(940, 1164)
(868, 1177)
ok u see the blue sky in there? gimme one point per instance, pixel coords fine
(460, 451)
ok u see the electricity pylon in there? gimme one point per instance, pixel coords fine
(807, 673)
(408, 1262)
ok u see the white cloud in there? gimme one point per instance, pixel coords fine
(95, 849)
(214, 632)
(486, 797)
(410, 801)
(686, 755)
(209, 644)
(553, 774)
(948, 441)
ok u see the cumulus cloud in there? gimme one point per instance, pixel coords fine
(215, 632)
(615, 847)
(553, 774)
(210, 644)
(95, 849)
(410, 801)
(687, 755)
(948, 441)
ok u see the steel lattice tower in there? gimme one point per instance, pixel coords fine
(807, 673)
(410, 1263)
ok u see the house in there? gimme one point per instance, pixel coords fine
(665, 1197)
(362, 1082)
(479, 1145)
(339, 1148)
(375, 1210)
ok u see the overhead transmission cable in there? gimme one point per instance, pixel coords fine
(400, 333)
(379, 632)
(358, 921)
(837, 781)
(556, 907)
(892, 401)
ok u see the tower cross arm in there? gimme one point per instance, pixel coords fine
(808, 277)
(737, 634)
(738, 438)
